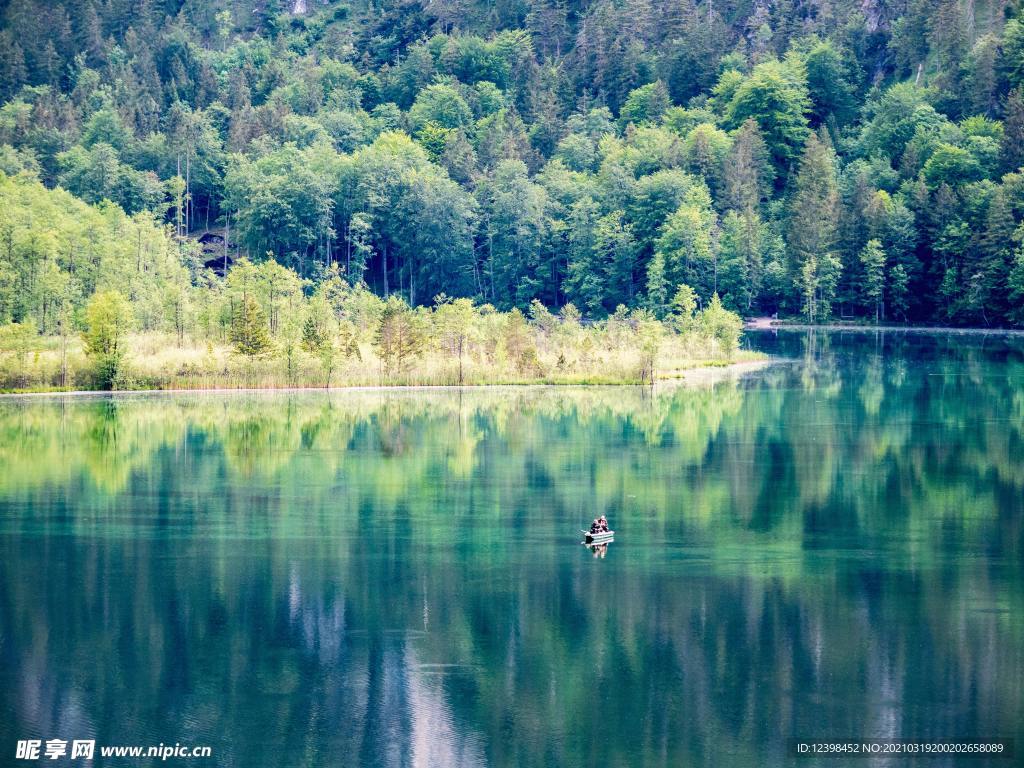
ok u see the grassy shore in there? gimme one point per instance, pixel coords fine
(157, 361)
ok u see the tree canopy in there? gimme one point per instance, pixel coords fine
(598, 155)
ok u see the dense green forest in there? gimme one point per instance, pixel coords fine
(816, 159)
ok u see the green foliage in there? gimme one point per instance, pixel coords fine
(455, 321)
(282, 200)
(519, 344)
(1011, 149)
(899, 283)
(645, 104)
(316, 333)
(747, 171)
(650, 333)
(512, 211)
(399, 338)
(107, 319)
(775, 97)
(705, 150)
(1016, 284)
(510, 155)
(1013, 52)
(742, 245)
(813, 229)
(684, 306)
(442, 105)
(718, 323)
(688, 244)
(951, 165)
(96, 174)
(586, 278)
(248, 332)
(828, 84)
(657, 285)
(895, 117)
(18, 338)
(434, 139)
(872, 259)
(56, 250)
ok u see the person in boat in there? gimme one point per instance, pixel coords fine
(595, 527)
(602, 524)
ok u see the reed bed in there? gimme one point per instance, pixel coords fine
(157, 361)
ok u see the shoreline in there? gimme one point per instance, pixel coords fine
(695, 375)
(715, 374)
(926, 329)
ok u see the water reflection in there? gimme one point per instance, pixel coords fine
(600, 551)
(831, 547)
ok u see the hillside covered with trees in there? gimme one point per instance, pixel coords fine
(816, 159)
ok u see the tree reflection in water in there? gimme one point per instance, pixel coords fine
(830, 547)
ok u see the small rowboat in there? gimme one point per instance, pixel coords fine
(598, 538)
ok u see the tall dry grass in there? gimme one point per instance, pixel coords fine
(158, 361)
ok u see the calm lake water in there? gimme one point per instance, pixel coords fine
(832, 547)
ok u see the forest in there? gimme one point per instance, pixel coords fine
(818, 160)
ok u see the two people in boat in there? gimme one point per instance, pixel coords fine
(600, 525)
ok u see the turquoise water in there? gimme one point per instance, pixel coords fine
(831, 547)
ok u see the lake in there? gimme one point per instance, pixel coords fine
(831, 547)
